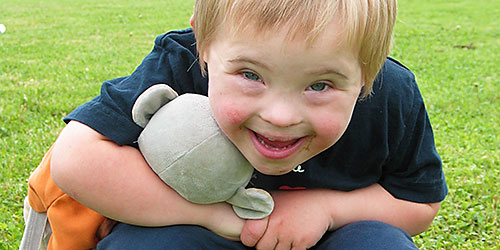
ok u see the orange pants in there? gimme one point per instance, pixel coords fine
(74, 226)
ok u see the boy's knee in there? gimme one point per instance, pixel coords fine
(126, 236)
(368, 235)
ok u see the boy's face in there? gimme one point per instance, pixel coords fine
(279, 101)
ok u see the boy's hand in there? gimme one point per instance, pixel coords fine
(299, 220)
(223, 221)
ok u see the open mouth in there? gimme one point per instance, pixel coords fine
(275, 148)
(274, 144)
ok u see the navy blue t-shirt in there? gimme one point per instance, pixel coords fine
(388, 141)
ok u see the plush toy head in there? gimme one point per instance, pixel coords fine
(184, 146)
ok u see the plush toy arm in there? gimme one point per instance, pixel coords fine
(150, 101)
(251, 203)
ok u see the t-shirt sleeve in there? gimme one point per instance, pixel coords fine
(413, 170)
(172, 61)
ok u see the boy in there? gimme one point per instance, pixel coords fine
(284, 82)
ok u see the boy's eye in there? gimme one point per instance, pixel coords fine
(251, 76)
(319, 86)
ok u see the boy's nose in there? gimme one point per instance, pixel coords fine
(281, 113)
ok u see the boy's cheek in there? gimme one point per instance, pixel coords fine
(330, 130)
(329, 125)
(233, 116)
(228, 113)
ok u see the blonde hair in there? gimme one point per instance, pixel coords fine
(368, 24)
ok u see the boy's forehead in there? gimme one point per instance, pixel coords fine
(302, 18)
(333, 32)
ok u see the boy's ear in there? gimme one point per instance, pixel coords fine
(191, 20)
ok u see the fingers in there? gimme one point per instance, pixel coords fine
(282, 246)
(275, 241)
(253, 231)
(276, 244)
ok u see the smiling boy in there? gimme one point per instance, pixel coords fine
(285, 79)
(282, 102)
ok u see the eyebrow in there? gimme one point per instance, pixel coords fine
(318, 71)
(241, 59)
(327, 71)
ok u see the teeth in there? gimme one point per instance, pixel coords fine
(271, 147)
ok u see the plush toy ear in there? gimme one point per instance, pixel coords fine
(252, 203)
(150, 101)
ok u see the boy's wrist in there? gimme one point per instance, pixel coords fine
(221, 219)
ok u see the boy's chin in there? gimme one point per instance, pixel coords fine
(270, 170)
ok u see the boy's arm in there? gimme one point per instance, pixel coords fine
(116, 182)
(302, 217)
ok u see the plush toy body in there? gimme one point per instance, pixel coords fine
(183, 144)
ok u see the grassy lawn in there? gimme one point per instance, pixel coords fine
(55, 54)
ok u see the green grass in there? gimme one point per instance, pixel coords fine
(55, 54)
(454, 47)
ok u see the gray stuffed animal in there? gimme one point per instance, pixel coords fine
(185, 147)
